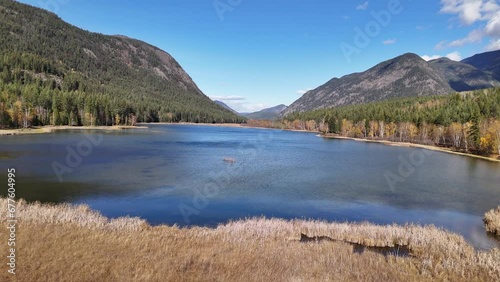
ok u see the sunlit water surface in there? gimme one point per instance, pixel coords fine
(176, 174)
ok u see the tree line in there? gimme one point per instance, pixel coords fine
(35, 92)
(467, 122)
(52, 73)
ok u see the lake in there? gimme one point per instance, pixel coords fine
(207, 175)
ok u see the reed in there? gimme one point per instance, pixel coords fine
(492, 221)
(73, 243)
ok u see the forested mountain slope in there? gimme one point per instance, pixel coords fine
(404, 76)
(54, 73)
(266, 114)
(488, 62)
(407, 75)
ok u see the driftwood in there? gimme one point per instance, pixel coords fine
(229, 160)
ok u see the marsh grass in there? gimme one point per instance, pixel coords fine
(492, 221)
(74, 243)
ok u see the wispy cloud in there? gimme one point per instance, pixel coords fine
(363, 6)
(494, 45)
(389, 41)
(470, 11)
(303, 91)
(228, 98)
(441, 45)
(430, 58)
(484, 14)
(423, 27)
(455, 56)
(246, 107)
(240, 103)
(474, 36)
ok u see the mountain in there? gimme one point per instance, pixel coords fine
(66, 75)
(266, 114)
(461, 76)
(222, 104)
(488, 62)
(403, 76)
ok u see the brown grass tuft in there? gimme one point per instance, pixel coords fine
(492, 221)
(74, 243)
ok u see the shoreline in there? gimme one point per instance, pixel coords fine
(384, 142)
(413, 145)
(254, 249)
(52, 129)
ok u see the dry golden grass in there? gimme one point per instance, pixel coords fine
(73, 243)
(492, 221)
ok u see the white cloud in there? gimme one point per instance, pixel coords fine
(389, 41)
(474, 36)
(485, 14)
(363, 6)
(493, 26)
(494, 45)
(441, 45)
(240, 104)
(303, 91)
(430, 58)
(469, 11)
(228, 98)
(246, 107)
(455, 56)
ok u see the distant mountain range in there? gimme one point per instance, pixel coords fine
(268, 114)
(265, 114)
(403, 76)
(488, 62)
(222, 104)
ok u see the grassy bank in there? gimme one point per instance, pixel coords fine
(73, 243)
(492, 221)
(50, 129)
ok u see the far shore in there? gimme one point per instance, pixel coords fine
(413, 145)
(241, 125)
(330, 136)
(199, 124)
(51, 129)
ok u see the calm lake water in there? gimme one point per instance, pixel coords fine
(176, 174)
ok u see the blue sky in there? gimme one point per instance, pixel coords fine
(254, 54)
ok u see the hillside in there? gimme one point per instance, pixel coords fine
(54, 73)
(405, 76)
(222, 104)
(488, 62)
(266, 114)
(461, 76)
